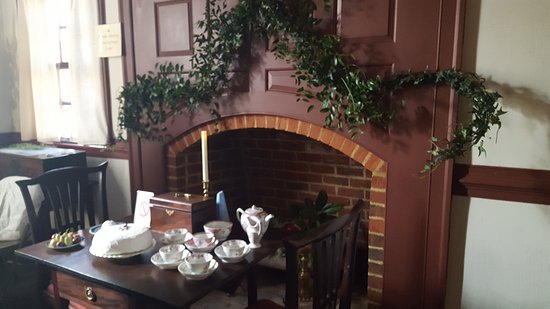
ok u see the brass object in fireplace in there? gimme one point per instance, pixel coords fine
(205, 184)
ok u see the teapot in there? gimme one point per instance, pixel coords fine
(254, 221)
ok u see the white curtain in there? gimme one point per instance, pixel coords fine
(42, 28)
(87, 116)
(86, 83)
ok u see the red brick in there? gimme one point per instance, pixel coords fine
(309, 157)
(360, 183)
(336, 180)
(374, 296)
(360, 155)
(336, 159)
(308, 177)
(340, 200)
(326, 136)
(296, 166)
(372, 163)
(297, 186)
(292, 125)
(375, 282)
(283, 124)
(304, 128)
(348, 147)
(284, 155)
(337, 141)
(377, 226)
(376, 240)
(270, 122)
(376, 268)
(378, 182)
(350, 171)
(331, 190)
(377, 211)
(349, 192)
(378, 197)
(293, 145)
(315, 132)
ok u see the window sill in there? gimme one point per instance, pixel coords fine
(116, 151)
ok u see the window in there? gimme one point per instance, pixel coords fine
(66, 74)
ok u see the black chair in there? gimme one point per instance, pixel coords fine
(332, 248)
(68, 193)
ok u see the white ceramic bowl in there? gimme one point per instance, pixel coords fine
(227, 259)
(220, 229)
(158, 261)
(171, 253)
(234, 247)
(183, 268)
(198, 263)
(175, 235)
(202, 239)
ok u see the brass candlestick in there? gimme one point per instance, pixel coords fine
(205, 184)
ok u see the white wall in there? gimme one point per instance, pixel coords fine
(499, 253)
(118, 187)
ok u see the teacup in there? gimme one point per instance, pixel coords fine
(171, 252)
(198, 262)
(234, 247)
(175, 235)
(203, 239)
(220, 229)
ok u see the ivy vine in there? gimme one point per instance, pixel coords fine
(323, 74)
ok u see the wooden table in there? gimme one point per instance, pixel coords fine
(135, 282)
(31, 163)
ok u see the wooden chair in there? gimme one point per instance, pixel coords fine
(332, 247)
(68, 194)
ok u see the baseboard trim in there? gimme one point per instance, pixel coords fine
(502, 183)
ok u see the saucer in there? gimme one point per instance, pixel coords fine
(183, 268)
(193, 248)
(157, 260)
(230, 259)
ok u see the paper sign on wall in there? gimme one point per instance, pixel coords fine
(142, 213)
(109, 40)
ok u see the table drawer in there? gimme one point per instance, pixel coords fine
(90, 294)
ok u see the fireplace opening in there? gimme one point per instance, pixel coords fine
(276, 169)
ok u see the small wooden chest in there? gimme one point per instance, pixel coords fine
(176, 210)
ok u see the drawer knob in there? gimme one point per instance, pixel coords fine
(169, 212)
(90, 294)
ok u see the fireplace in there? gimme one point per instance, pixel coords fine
(276, 162)
(409, 213)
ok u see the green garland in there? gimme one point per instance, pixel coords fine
(347, 96)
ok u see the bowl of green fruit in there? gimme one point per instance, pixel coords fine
(67, 240)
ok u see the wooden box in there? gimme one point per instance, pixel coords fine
(175, 210)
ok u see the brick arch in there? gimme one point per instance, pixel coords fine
(370, 161)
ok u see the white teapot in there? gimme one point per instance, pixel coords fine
(254, 221)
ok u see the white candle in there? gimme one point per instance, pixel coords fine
(204, 148)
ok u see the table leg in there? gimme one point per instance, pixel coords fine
(252, 286)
